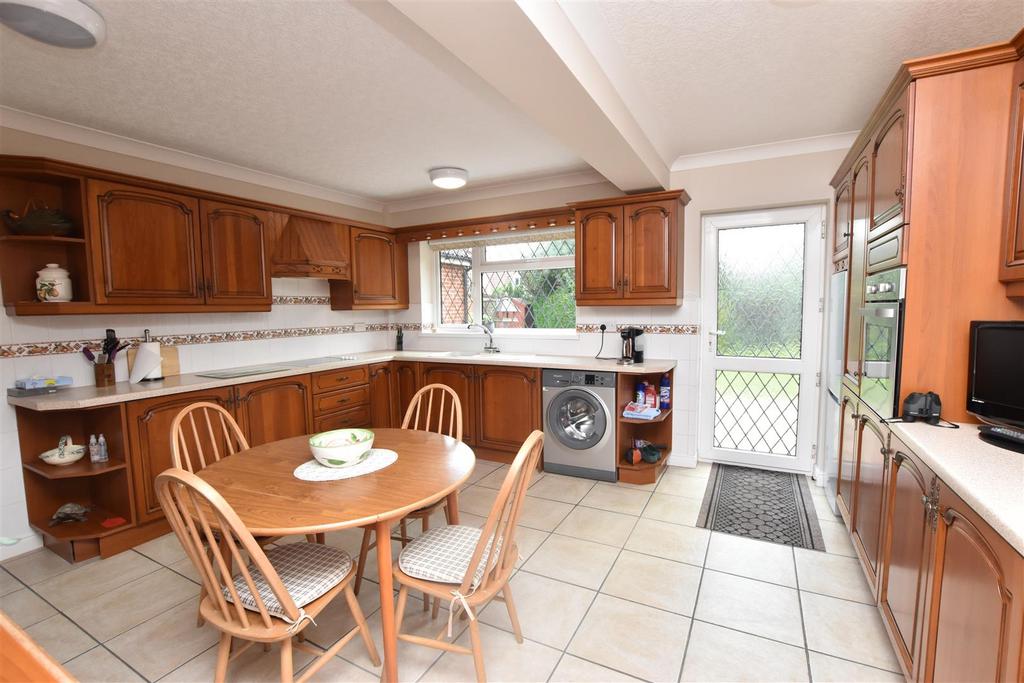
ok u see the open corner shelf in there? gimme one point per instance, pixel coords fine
(634, 421)
(91, 528)
(82, 468)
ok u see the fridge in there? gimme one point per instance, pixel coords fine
(835, 340)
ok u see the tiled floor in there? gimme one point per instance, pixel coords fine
(615, 584)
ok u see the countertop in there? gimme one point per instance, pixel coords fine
(989, 479)
(91, 397)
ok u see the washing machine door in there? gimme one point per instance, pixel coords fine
(577, 418)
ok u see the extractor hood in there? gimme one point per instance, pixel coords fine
(312, 248)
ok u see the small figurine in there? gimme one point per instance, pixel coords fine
(69, 512)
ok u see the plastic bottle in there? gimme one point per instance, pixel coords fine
(94, 449)
(640, 395)
(104, 456)
(665, 393)
(652, 396)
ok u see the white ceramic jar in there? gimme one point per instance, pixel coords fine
(53, 284)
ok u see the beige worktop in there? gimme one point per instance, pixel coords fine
(90, 397)
(989, 479)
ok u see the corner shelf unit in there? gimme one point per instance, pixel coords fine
(105, 488)
(657, 431)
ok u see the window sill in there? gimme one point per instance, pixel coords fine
(499, 335)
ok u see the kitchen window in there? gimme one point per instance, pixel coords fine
(514, 285)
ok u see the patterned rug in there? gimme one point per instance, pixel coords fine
(761, 504)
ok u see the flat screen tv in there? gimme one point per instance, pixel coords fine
(995, 374)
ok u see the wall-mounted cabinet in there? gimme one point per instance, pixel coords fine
(628, 250)
(380, 274)
(1011, 267)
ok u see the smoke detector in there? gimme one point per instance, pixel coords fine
(63, 23)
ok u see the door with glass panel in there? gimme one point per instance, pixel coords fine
(761, 337)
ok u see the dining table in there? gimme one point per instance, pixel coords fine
(260, 485)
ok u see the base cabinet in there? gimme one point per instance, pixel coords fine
(382, 396)
(911, 514)
(976, 612)
(275, 409)
(149, 429)
(461, 379)
(872, 462)
(849, 420)
(509, 408)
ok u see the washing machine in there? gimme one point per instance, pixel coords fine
(579, 423)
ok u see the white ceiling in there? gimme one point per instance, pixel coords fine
(347, 96)
(701, 76)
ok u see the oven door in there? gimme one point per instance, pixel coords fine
(881, 357)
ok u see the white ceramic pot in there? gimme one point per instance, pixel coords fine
(53, 284)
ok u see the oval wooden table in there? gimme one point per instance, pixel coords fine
(259, 485)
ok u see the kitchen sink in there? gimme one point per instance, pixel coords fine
(231, 373)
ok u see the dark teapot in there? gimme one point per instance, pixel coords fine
(39, 221)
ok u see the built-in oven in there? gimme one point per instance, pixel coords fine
(884, 295)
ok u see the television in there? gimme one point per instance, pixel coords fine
(995, 372)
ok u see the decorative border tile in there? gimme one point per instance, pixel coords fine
(302, 300)
(654, 328)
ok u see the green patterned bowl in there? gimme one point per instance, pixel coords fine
(341, 447)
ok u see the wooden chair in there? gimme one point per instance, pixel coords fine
(437, 563)
(197, 444)
(443, 418)
(272, 598)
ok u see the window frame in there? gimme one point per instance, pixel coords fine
(479, 265)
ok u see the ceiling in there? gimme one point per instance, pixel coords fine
(342, 95)
(700, 79)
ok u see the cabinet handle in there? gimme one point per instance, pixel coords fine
(846, 234)
(899, 194)
(625, 283)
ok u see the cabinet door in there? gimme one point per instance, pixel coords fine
(860, 216)
(975, 609)
(872, 461)
(650, 242)
(599, 253)
(145, 245)
(460, 378)
(149, 435)
(374, 273)
(847, 480)
(382, 403)
(889, 171)
(275, 409)
(841, 222)
(911, 513)
(407, 383)
(508, 404)
(235, 254)
(1012, 262)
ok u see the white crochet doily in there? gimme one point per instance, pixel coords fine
(378, 459)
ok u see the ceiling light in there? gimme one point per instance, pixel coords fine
(449, 177)
(63, 23)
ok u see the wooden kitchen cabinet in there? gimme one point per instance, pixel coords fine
(462, 380)
(146, 245)
(599, 254)
(911, 512)
(868, 512)
(889, 169)
(234, 249)
(408, 381)
(149, 438)
(1011, 267)
(274, 409)
(846, 483)
(508, 406)
(976, 609)
(627, 250)
(860, 216)
(841, 222)
(380, 277)
(383, 403)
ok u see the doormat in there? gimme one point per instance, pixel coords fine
(761, 504)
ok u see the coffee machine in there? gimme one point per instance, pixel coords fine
(632, 347)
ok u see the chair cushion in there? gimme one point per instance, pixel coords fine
(443, 554)
(307, 570)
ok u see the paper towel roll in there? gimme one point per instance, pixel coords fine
(147, 363)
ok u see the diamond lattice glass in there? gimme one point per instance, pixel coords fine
(529, 299)
(756, 411)
(456, 286)
(760, 291)
(529, 250)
